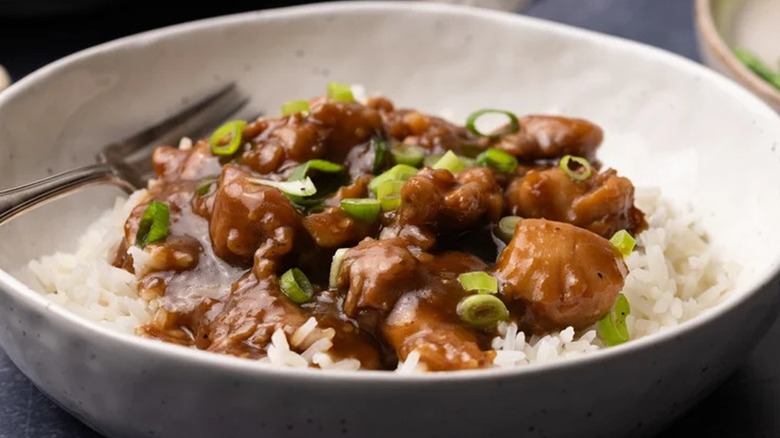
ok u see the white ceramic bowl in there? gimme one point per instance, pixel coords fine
(668, 122)
(722, 25)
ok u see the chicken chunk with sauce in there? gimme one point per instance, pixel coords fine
(565, 275)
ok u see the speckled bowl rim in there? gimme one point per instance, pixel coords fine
(709, 35)
(249, 368)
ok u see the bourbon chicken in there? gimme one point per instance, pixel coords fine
(374, 233)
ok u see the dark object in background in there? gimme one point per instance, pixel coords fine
(38, 8)
(51, 29)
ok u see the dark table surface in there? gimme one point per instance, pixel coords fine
(745, 406)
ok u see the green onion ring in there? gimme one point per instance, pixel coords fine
(505, 229)
(623, 242)
(389, 188)
(612, 327)
(234, 129)
(400, 172)
(514, 123)
(340, 92)
(584, 172)
(409, 154)
(479, 281)
(482, 311)
(390, 203)
(389, 194)
(362, 209)
(335, 267)
(296, 286)
(294, 107)
(497, 159)
(451, 162)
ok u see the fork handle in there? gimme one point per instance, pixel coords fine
(15, 200)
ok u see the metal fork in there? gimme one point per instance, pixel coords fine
(126, 163)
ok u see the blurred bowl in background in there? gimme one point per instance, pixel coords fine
(722, 25)
(5, 79)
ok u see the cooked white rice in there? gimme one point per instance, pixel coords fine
(674, 275)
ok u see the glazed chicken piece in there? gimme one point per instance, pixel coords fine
(330, 130)
(193, 164)
(425, 320)
(550, 137)
(410, 300)
(565, 275)
(284, 142)
(178, 173)
(432, 133)
(435, 200)
(357, 189)
(257, 308)
(332, 228)
(374, 274)
(251, 221)
(603, 204)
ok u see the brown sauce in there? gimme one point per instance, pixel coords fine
(217, 272)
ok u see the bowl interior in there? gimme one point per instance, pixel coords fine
(668, 123)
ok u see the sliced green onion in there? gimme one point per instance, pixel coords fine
(300, 188)
(335, 267)
(234, 129)
(296, 286)
(302, 170)
(451, 162)
(390, 203)
(380, 153)
(329, 177)
(471, 123)
(340, 92)
(389, 188)
(479, 281)
(468, 162)
(430, 160)
(154, 224)
(757, 66)
(482, 311)
(363, 209)
(296, 106)
(410, 154)
(612, 327)
(497, 159)
(581, 173)
(623, 242)
(505, 229)
(400, 172)
(389, 194)
(205, 186)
